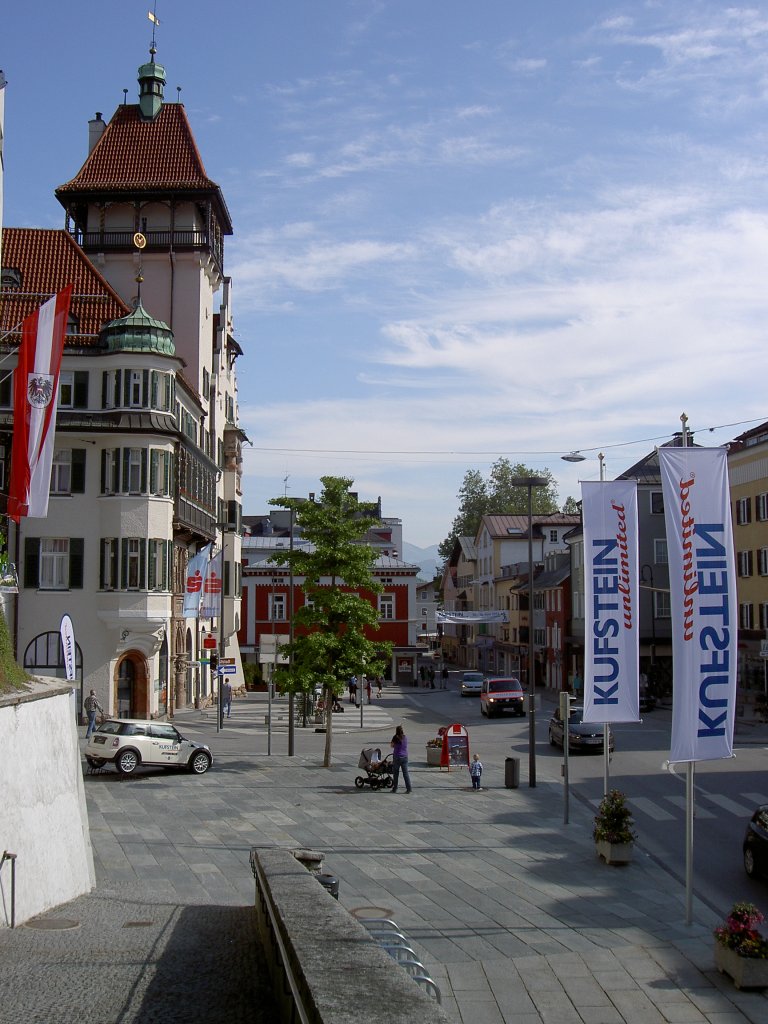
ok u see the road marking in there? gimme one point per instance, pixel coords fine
(732, 806)
(651, 808)
(699, 811)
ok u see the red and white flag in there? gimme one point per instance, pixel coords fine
(36, 384)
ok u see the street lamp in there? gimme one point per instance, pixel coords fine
(529, 482)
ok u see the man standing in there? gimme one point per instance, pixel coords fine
(228, 698)
(92, 708)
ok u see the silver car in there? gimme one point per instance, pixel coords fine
(471, 684)
(129, 742)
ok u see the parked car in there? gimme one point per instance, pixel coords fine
(755, 845)
(500, 695)
(471, 684)
(129, 742)
(582, 736)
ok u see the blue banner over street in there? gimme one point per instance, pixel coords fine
(611, 641)
(702, 590)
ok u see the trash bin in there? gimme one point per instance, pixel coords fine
(330, 883)
(512, 772)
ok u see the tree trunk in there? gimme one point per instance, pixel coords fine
(328, 726)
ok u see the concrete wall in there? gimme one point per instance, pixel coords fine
(43, 817)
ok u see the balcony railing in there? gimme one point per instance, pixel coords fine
(122, 240)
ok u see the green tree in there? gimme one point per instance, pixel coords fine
(572, 506)
(497, 496)
(329, 643)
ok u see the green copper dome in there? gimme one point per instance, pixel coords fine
(137, 332)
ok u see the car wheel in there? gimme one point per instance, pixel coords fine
(200, 762)
(749, 861)
(95, 762)
(359, 781)
(127, 761)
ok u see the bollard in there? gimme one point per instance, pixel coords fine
(512, 772)
(330, 883)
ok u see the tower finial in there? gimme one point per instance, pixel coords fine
(152, 15)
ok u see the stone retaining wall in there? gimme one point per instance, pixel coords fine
(342, 975)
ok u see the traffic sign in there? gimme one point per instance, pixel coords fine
(227, 667)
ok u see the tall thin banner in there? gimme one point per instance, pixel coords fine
(210, 607)
(36, 383)
(611, 633)
(704, 605)
(67, 633)
(193, 586)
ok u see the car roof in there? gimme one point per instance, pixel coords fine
(504, 679)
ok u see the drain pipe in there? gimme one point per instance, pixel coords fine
(12, 858)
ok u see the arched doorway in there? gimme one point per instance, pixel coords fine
(132, 691)
(45, 656)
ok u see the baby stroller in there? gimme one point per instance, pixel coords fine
(378, 771)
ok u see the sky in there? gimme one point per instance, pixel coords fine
(463, 231)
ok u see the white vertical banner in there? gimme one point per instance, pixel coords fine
(210, 607)
(193, 586)
(611, 623)
(67, 633)
(704, 605)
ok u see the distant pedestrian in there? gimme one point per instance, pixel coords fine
(227, 698)
(92, 708)
(353, 690)
(422, 675)
(476, 771)
(368, 688)
(444, 679)
(379, 685)
(431, 674)
(399, 746)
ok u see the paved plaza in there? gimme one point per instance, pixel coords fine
(510, 909)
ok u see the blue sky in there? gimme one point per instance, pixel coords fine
(462, 230)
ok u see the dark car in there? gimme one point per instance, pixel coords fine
(582, 736)
(755, 845)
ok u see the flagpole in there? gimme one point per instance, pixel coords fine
(606, 725)
(689, 776)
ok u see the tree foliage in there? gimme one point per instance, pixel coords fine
(329, 644)
(497, 495)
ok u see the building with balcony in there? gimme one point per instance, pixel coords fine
(148, 462)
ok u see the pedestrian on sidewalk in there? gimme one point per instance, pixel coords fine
(379, 684)
(368, 689)
(475, 771)
(227, 697)
(431, 675)
(444, 678)
(92, 708)
(353, 690)
(399, 746)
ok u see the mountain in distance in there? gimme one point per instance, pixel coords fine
(427, 558)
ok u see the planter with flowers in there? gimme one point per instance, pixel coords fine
(740, 950)
(434, 749)
(613, 832)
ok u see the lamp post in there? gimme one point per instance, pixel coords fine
(529, 482)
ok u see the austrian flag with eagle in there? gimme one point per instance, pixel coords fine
(36, 381)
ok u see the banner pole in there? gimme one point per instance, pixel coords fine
(688, 783)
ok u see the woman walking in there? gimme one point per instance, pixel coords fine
(399, 746)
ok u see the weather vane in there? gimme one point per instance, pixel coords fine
(152, 15)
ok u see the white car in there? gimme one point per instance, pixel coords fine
(129, 742)
(472, 684)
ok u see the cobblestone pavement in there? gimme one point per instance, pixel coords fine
(510, 910)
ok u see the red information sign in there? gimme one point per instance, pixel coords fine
(209, 643)
(455, 752)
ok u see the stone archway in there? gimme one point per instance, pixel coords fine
(132, 686)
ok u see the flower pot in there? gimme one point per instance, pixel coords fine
(745, 971)
(433, 756)
(614, 853)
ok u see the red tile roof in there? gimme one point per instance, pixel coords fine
(49, 261)
(140, 156)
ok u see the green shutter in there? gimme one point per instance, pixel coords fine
(126, 387)
(76, 560)
(32, 562)
(227, 578)
(104, 379)
(124, 563)
(154, 455)
(152, 583)
(126, 475)
(80, 390)
(78, 471)
(142, 564)
(105, 454)
(143, 470)
(102, 565)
